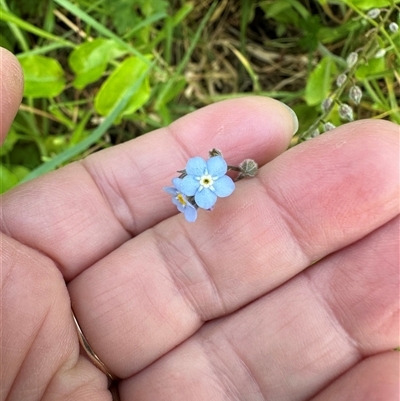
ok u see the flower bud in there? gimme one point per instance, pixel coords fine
(214, 152)
(329, 127)
(355, 94)
(393, 27)
(182, 173)
(314, 133)
(352, 59)
(341, 79)
(326, 104)
(373, 13)
(380, 53)
(248, 168)
(346, 112)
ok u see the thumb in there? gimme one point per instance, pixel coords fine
(11, 89)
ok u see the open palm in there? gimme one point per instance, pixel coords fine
(288, 290)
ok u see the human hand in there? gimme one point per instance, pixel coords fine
(288, 290)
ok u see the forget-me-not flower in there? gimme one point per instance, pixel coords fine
(181, 201)
(206, 180)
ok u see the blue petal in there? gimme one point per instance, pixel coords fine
(217, 166)
(224, 186)
(189, 185)
(177, 183)
(181, 208)
(190, 213)
(196, 166)
(170, 190)
(206, 198)
(178, 204)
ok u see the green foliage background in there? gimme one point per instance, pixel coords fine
(98, 73)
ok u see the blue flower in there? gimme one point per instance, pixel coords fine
(180, 200)
(206, 180)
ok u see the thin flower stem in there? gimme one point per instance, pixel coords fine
(378, 28)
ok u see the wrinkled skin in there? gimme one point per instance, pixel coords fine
(287, 290)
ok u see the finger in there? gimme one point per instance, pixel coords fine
(307, 203)
(11, 87)
(295, 341)
(82, 212)
(375, 378)
(39, 346)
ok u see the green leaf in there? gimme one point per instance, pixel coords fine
(151, 20)
(20, 171)
(174, 90)
(95, 135)
(25, 153)
(55, 143)
(306, 115)
(79, 131)
(327, 34)
(281, 11)
(375, 68)
(182, 13)
(7, 179)
(100, 28)
(9, 143)
(310, 28)
(367, 4)
(6, 43)
(286, 11)
(130, 70)
(44, 76)
(125, 14)
(149, 7)
(89, 60)
(319, 82)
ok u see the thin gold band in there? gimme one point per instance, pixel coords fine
(90, 353)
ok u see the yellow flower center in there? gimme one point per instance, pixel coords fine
(181, 199)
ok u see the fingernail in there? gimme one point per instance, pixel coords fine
(294, 117)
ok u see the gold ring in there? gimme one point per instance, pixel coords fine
(90, 353)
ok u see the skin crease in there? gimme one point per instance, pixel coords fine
(288, 289)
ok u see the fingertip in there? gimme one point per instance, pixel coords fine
(11, 90)
(252, 126)
(277, 111)
(293, 116)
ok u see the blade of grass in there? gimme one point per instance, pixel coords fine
(167, 86)
(246, 65)
(371, 92)
(14, 28)
(43, 49)
(176, 19)
(26, 26)
(182, 13)
(246, 7)
(49, 20)
(148, 21)
(392, 97)
(169, 37)
(91, 139)
(79, 130)
(100, 28)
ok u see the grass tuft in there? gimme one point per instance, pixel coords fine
(184, 55)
